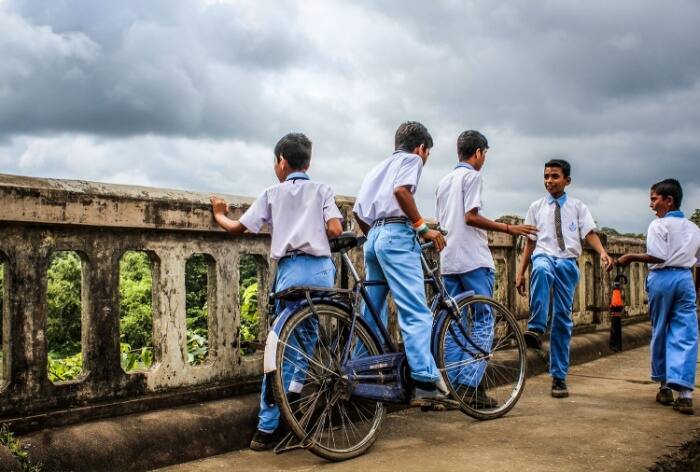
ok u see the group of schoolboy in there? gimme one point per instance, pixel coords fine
(302, 217)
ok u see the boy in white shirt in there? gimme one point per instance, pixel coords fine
(673, 249)
(386, 212)
(562, 222)
(466, 262)
(302, 216)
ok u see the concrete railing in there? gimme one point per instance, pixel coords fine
(101, 222)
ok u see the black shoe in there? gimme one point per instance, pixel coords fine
(664, 396)
(684, 405)
(263, 441)
(478, 398)
(559, 389)
(533, 339)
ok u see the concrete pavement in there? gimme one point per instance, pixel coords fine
(610, 422)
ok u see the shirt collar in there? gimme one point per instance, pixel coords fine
(676, 213)
(297, 175)
(465, 165)
(561, 200)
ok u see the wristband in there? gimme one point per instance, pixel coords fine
(423, 229)
(507, 228)
(418, 224)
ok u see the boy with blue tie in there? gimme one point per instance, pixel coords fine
(673, 249)
(466, 262)
(302, 216)
(562, 222)
(387, 213)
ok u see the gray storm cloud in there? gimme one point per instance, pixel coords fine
(194, 94)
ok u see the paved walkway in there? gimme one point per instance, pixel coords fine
(610, 422)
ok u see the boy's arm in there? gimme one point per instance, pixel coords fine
(219, 208)
(627, 259)
(473, 218)
(333, 228)
(524, 263)
(407, 203)
(360, 222)
(593, 239)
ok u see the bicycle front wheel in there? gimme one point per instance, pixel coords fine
(309, 388)
(483, 358)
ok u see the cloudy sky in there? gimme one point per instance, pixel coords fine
(193, 94)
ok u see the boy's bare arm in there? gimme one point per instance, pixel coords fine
(219, 208)
(407, 203)
(524, 263)
(473, 218)
(363, 226)
(593, 239)
(333, 228)
(627, 259)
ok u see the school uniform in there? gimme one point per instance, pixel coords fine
(392, 253)
(561, 223)
(296, 211)
(672, 299)
(465, 264)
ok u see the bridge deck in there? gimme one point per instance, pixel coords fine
(610, 422)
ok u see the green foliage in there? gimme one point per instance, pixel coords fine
(695, 217)
(62, 368)
(250, 326)
(613, 232)
(136, 359)
(7, 439)
(196, 288)
(135, 300)
(63, 296)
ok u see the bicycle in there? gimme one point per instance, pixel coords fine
(332, 376)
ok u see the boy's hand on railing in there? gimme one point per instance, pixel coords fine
(436, 237)
(218, 205)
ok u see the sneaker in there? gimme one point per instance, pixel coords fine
(664, 396)
(478, 398)
(684, 405)
(427, 394)
(263, 441)
(559, 389)
(533, 339)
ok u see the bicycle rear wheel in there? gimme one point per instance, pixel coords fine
(309, 388)
(482, 355)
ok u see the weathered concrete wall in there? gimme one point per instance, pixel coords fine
(101, 222)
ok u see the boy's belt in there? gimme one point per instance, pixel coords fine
(389, 220)
(671, 268)
(293, 253)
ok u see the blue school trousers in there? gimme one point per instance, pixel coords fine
(674, 323)
(560, 276)
(293, 271)
(392, 253)
(467, 372)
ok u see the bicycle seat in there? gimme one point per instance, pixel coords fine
(347, 240)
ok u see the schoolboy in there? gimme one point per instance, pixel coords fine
(466, 262)
(302, 216)
(386, 212)
(562, 222)
(673, 248)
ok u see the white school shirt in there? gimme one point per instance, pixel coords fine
(376, 198)
(297, 211)
(467, 247)
(576, 223)
(675, 240)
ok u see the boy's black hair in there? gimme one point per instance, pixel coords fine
(410, 135)
(562, 164)
(669, 188)
(468, 143)
(296, 148)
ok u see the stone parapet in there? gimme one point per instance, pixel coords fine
(103, 221)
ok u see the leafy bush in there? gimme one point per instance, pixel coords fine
(63, 297)
(135, 300)
(64, 368)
